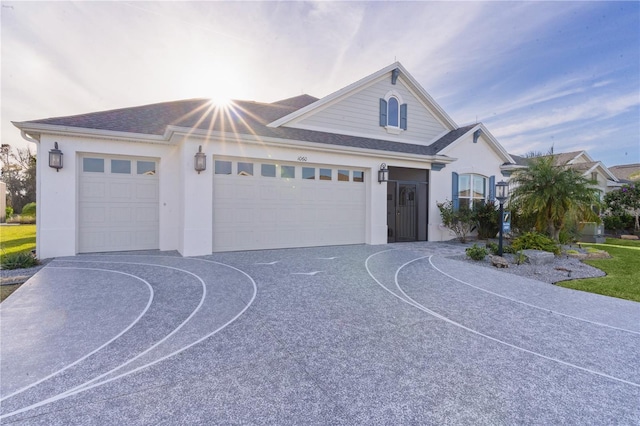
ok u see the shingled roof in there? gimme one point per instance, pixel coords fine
(242, 117)
(626, 172)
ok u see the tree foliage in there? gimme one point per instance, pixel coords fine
(625, 200)
(461, 221)
(19, 173)
(553, 195)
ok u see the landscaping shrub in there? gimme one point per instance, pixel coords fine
(476, 252)
(487, 217)
(493, 247)
(617, 222)
(19, 260)
(8, 212)
(508, 249)
(460, 221)
(535, 241)
(21, 219)
(29, 209)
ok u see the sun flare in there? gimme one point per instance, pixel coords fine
(220, 101)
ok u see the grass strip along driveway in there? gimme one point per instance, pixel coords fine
(623, 271)
(15, 239)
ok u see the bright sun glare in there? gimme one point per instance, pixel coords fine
(220, 101)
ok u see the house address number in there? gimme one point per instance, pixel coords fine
(302, 158)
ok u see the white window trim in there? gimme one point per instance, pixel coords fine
(470, 199)
(395, 130)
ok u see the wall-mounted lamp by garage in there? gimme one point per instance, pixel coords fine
(383, 173)
(55, 157)
(200, 163)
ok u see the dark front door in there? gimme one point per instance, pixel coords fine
(392, 193)
(406, 212)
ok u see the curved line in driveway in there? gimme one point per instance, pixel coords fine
(159, 342)
(144, 311)
(529, 304)
(450, 321)
(84, 387)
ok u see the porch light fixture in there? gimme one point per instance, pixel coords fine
(383, 173)
(200, 163)
(55, 157)
(502, 193)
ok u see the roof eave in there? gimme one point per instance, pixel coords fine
(271, 141)
(54, 129)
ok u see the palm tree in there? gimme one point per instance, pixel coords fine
(553, 195)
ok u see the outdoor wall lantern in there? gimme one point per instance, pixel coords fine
(502, 193)
(383, 173)
(55, 157)
(200, 163)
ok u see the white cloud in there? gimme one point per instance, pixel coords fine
(595, 109)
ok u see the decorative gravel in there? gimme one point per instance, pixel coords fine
(550, 273)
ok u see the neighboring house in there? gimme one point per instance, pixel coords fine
(595, 170)
(626, 173)
(298, 172)
(582, 162)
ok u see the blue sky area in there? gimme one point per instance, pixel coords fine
(538, 74)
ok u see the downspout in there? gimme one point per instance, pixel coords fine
(28, 138)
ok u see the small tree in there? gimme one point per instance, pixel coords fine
(625, 199)
(460, 221)
(554, 194)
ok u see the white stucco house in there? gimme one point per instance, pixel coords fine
(297, 172)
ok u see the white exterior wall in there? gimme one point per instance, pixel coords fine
(186, 197)
(477, 158)
(196, 198)
(359, 115)
(57, 192)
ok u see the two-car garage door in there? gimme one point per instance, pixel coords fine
(260, 204)
(256, 204)
(117, 204)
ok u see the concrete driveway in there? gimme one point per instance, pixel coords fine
(394, 334)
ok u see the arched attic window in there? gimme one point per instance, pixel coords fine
(393, 113)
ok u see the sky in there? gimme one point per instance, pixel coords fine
(538, 74)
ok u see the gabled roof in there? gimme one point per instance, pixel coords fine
(564, 158)
(626, 172)
(242, 117)
(568, 159)
(364, 82)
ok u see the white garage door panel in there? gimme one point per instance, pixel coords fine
(255, 212)
(117, 211)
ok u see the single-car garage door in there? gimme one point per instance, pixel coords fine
(259, 205)
(118, 204)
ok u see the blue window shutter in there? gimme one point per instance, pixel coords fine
(383, 112)
(403, 116)
(492, 188)
(454, 191)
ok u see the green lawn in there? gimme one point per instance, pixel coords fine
(623, 271)
(17, 238)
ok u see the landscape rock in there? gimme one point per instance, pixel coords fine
(499, 261)
(629, 237)
(539, 257)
